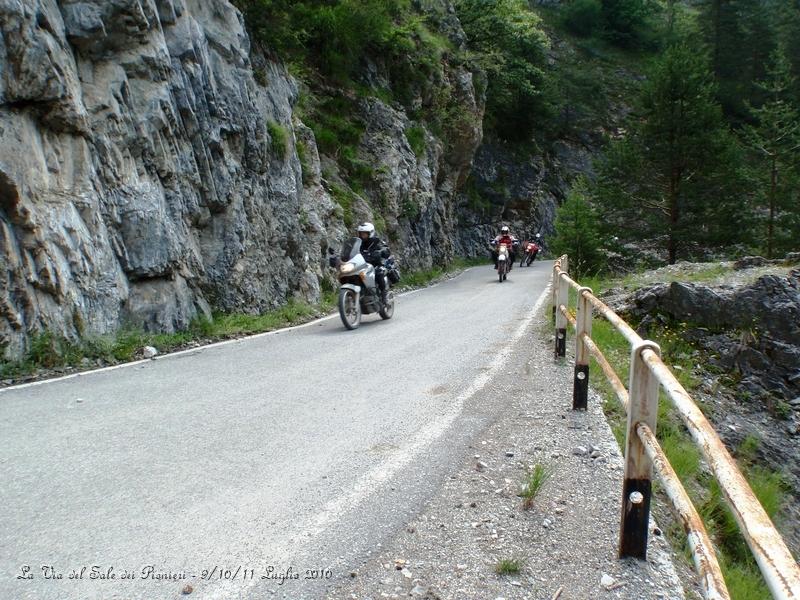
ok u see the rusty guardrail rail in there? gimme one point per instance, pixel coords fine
(643, 453)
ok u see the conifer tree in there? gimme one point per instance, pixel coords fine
(675, 174)
(578, 232)
(774, 140)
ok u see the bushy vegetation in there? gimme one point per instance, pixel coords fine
(511, 48)
(707, 160)
(578, 232)
(279, 139)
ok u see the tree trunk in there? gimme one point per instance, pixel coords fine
(716, 10)
(772, 192)
(672, 243)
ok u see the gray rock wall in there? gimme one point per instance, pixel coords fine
(139, 185)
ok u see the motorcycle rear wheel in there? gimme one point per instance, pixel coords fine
(387, 310)
(349, 309)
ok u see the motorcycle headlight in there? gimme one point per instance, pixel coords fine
(346, 268)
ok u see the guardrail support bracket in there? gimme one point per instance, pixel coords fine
(561, 343)
(580, 388)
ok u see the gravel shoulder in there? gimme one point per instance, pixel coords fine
(566, 543)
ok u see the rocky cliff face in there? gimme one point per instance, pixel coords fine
(139, 183)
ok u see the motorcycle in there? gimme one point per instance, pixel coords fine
(531, 249)
(503, 262)
(358, 289)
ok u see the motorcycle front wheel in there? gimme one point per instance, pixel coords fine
(387, 310)
(501, 270)
(349, 309)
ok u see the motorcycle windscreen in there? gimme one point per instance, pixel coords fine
(350, 249)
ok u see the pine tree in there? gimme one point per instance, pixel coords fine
(741, 34)
(578, 232)
(775, 140)
(675, 174)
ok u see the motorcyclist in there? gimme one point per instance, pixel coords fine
(509, 240)
(374, 251)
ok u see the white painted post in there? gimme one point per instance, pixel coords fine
(561, 321)
(637, 488)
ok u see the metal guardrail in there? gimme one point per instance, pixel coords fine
(643, 453)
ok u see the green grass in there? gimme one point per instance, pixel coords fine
(49, 351)
(416, 139)
(533, 484)
(423, 277)
(345, 198)
(279, 139)
(508, 566)
(706, 274)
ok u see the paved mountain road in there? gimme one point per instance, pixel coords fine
(302, 449)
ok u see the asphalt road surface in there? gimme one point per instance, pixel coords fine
(262, 468)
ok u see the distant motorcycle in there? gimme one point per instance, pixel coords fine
(358, 289)
(530, 250)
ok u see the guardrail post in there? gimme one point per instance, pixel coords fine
(636, 490)
(562, 263)
(583, 326)
(562, 298)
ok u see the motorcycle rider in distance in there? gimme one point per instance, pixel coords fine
(509, 240)
(374, 252)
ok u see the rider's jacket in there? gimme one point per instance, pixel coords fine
(508, 240)
(374, 251)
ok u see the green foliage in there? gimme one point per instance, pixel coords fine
(678, 173)
(332, 35)
(744, 580)
(416, 139)
(334, 125)
(345, 198)
(774, 141)
(511, 47)
(260, 75)
(410, 209)
(279, 139)
(741, 35)
(332, 38)
(302, 156)
(627, 23)
(578, 232)
(582, 17)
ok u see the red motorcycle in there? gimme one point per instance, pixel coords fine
(529, 252)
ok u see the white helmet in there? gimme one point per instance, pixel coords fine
(504, 229)
(366, 227)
